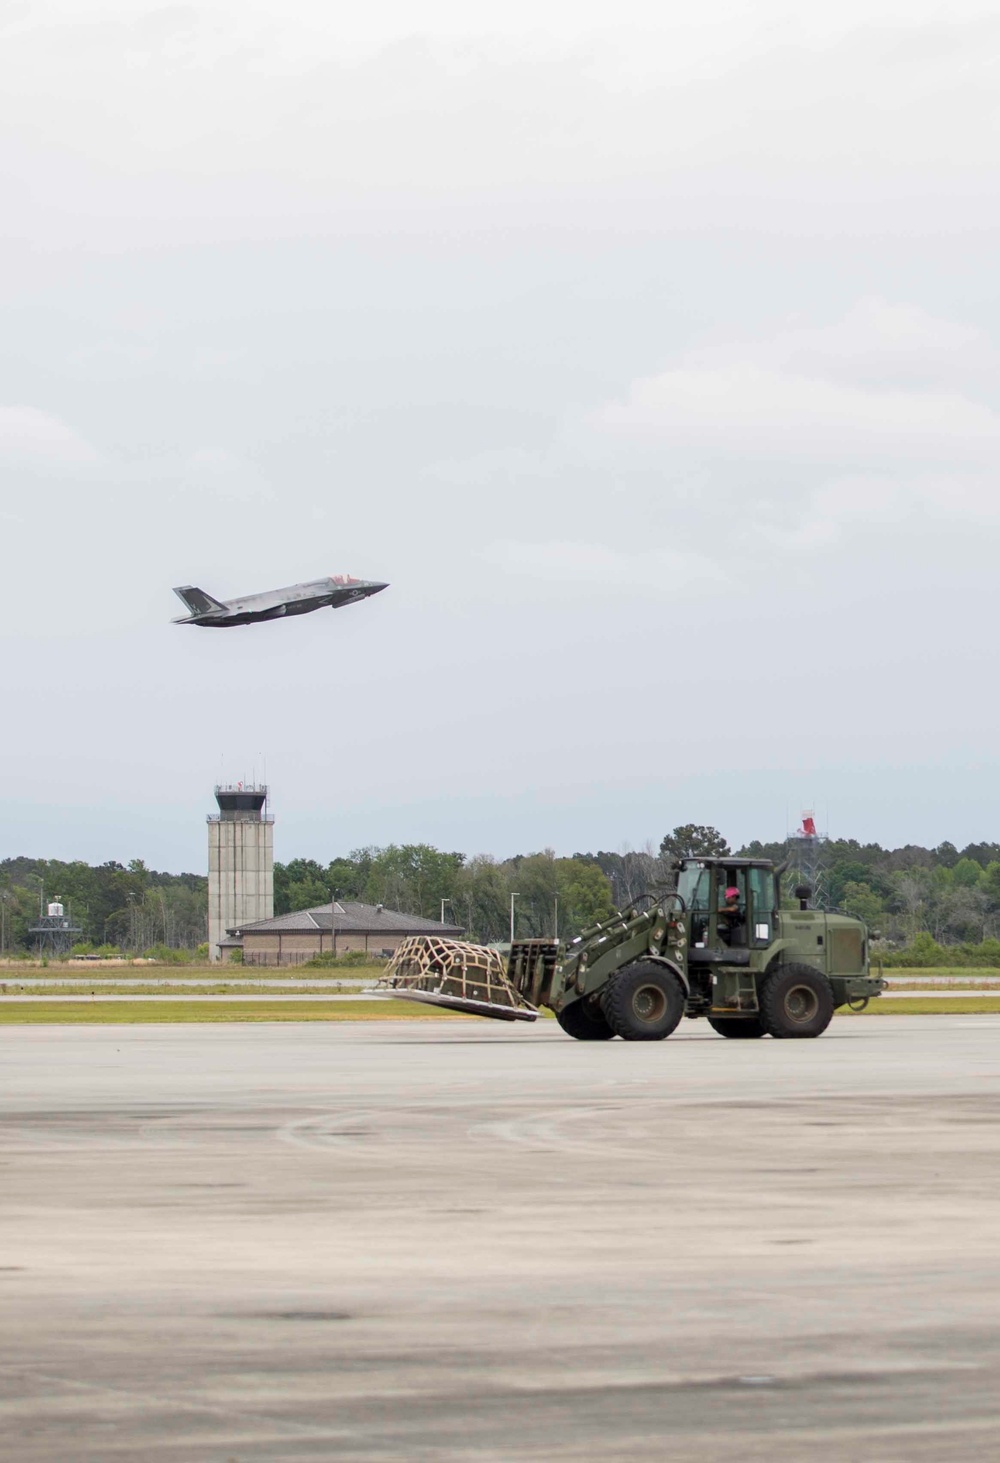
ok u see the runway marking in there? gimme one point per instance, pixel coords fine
(542, 1131)
(319, 1133)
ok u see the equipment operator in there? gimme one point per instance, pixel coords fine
(730, 922)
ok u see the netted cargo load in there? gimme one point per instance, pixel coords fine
(456, 975)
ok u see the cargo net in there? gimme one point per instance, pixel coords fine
(455, 975)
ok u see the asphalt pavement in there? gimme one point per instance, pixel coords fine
(268, 993)
(471, 1241)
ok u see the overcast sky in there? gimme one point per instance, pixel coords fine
(648, 350)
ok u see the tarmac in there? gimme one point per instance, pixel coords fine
(268, 993)
(260, 975)
(441, 1240)
(977, 983)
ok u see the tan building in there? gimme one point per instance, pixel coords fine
(291, 939)
(240, 863)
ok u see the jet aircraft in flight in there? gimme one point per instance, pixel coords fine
(274, 604)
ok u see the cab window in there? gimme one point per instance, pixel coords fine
(762, 902)
(693, 885)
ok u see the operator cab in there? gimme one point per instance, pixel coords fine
(731, 904)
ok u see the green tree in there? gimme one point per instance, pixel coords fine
(414, 878)
(299, 873)
(861, 902)
(983, 853)
(537, 888)
(482, 899)
(307, 894)
(966, 874)
(964, 913)
(689, 840)
(570, 892)
(347, 876)
(584, 895)
(776, 852)
(925, 950)
(991, 883)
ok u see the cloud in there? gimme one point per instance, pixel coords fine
(747, 410)
(221, 472)
(881, 417)
(883, 382)
(876, 342)
(109, 359)
(881, 510)
(588, 326)
(926, 502)
(28, 435)
(598, 566)
(721, 101)
(754, 457)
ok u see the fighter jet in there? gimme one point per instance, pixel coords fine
(274, 604)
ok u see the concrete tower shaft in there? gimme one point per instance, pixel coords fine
(240, 862)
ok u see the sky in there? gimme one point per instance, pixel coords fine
(649, 351)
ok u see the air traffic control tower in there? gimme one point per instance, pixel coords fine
(240, 861)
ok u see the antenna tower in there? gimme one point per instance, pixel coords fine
(807, 851)
(54, 931)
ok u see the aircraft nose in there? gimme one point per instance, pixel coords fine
(371, 586)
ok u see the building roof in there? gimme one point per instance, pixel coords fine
(349, 917)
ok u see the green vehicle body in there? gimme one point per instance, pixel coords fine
(683, 932)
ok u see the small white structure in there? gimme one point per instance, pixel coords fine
(54, 931)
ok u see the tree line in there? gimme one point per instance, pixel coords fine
(549, 895)
(118, 906)
(945, 895)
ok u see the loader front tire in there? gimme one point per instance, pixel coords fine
(738, 1028)
(795, 1001)
(643, 1002)
(586, 1021)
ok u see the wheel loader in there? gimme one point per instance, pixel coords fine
(716, 944)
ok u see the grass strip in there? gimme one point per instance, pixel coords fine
(934, 972)
(933, 1006)
(130, 1013)
(938, 985)
(108, 992)
(252, 974)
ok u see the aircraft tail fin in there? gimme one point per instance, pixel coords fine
(197, 601)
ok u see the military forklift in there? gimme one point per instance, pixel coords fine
(716, 943)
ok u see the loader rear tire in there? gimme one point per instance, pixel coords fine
(737, 1027)
(586, 1021)
(795, 1001)
(643, 1002)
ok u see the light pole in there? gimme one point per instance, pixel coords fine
(512, 898)
(555, 916)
